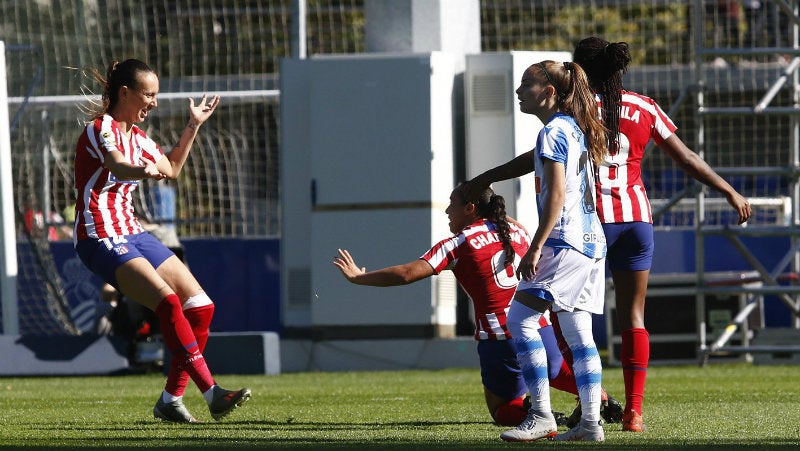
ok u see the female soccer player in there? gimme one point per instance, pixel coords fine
(623, 206)
(564, 269)
(482, 254)
(112, 155)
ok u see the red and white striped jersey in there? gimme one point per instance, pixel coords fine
(476, 258)
(104, 207)
(621, 196)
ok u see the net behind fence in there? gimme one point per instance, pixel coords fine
(230, 185)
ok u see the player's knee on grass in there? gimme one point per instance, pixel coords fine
(511, 413)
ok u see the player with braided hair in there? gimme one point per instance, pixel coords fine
(483, 254)
(623, 206)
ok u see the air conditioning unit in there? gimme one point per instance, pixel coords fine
(366, 165)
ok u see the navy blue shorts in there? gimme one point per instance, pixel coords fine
(630, 246)
(103, 256)
(500, 372)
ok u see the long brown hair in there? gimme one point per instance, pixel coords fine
(574, 97)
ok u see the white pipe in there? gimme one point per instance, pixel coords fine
(8, 237)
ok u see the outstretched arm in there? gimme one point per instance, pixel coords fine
(511, 220)
(700, 170)
(517, 167)
(386, 277)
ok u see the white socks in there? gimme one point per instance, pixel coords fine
(577, 330)
(523, 323)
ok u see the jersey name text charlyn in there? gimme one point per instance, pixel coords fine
(489, 238)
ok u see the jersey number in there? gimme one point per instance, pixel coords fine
(609, 173)
(505, 276)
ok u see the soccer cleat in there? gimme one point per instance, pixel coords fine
(632, 422)
(534, 427)
(575, 417)
(610, 410)
(559, 416)
(173, 411)
(583, 433)
(224, 401)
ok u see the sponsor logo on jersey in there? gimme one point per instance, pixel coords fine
(594, 238)
(114, 179)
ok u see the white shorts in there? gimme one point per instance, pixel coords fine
(569, 279)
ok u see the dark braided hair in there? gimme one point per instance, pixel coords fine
(492, 207)
(117, 75)
(604, 63)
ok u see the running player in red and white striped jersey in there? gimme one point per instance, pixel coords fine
(111, 156)
(623, 206)
(483, 254)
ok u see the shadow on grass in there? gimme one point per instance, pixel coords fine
(292, 434)
(327, 444)
(288, 425)
(342, 436)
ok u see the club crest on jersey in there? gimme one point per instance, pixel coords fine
(108, 138)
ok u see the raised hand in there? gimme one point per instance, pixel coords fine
(344, 261)
(202, 111)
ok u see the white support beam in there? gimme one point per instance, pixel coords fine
(8, 239)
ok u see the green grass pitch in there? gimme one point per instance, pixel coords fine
(719, 407)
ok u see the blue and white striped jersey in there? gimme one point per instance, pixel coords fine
(562, 141)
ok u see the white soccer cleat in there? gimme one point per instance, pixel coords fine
(534, 427)
(583, 432)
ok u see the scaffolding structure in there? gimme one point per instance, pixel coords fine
(780, 280)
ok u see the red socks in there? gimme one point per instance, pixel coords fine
(511, 413)
(199, 319)
(182, 343)
(634, 356)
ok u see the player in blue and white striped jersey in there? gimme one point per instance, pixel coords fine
(564, 268)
